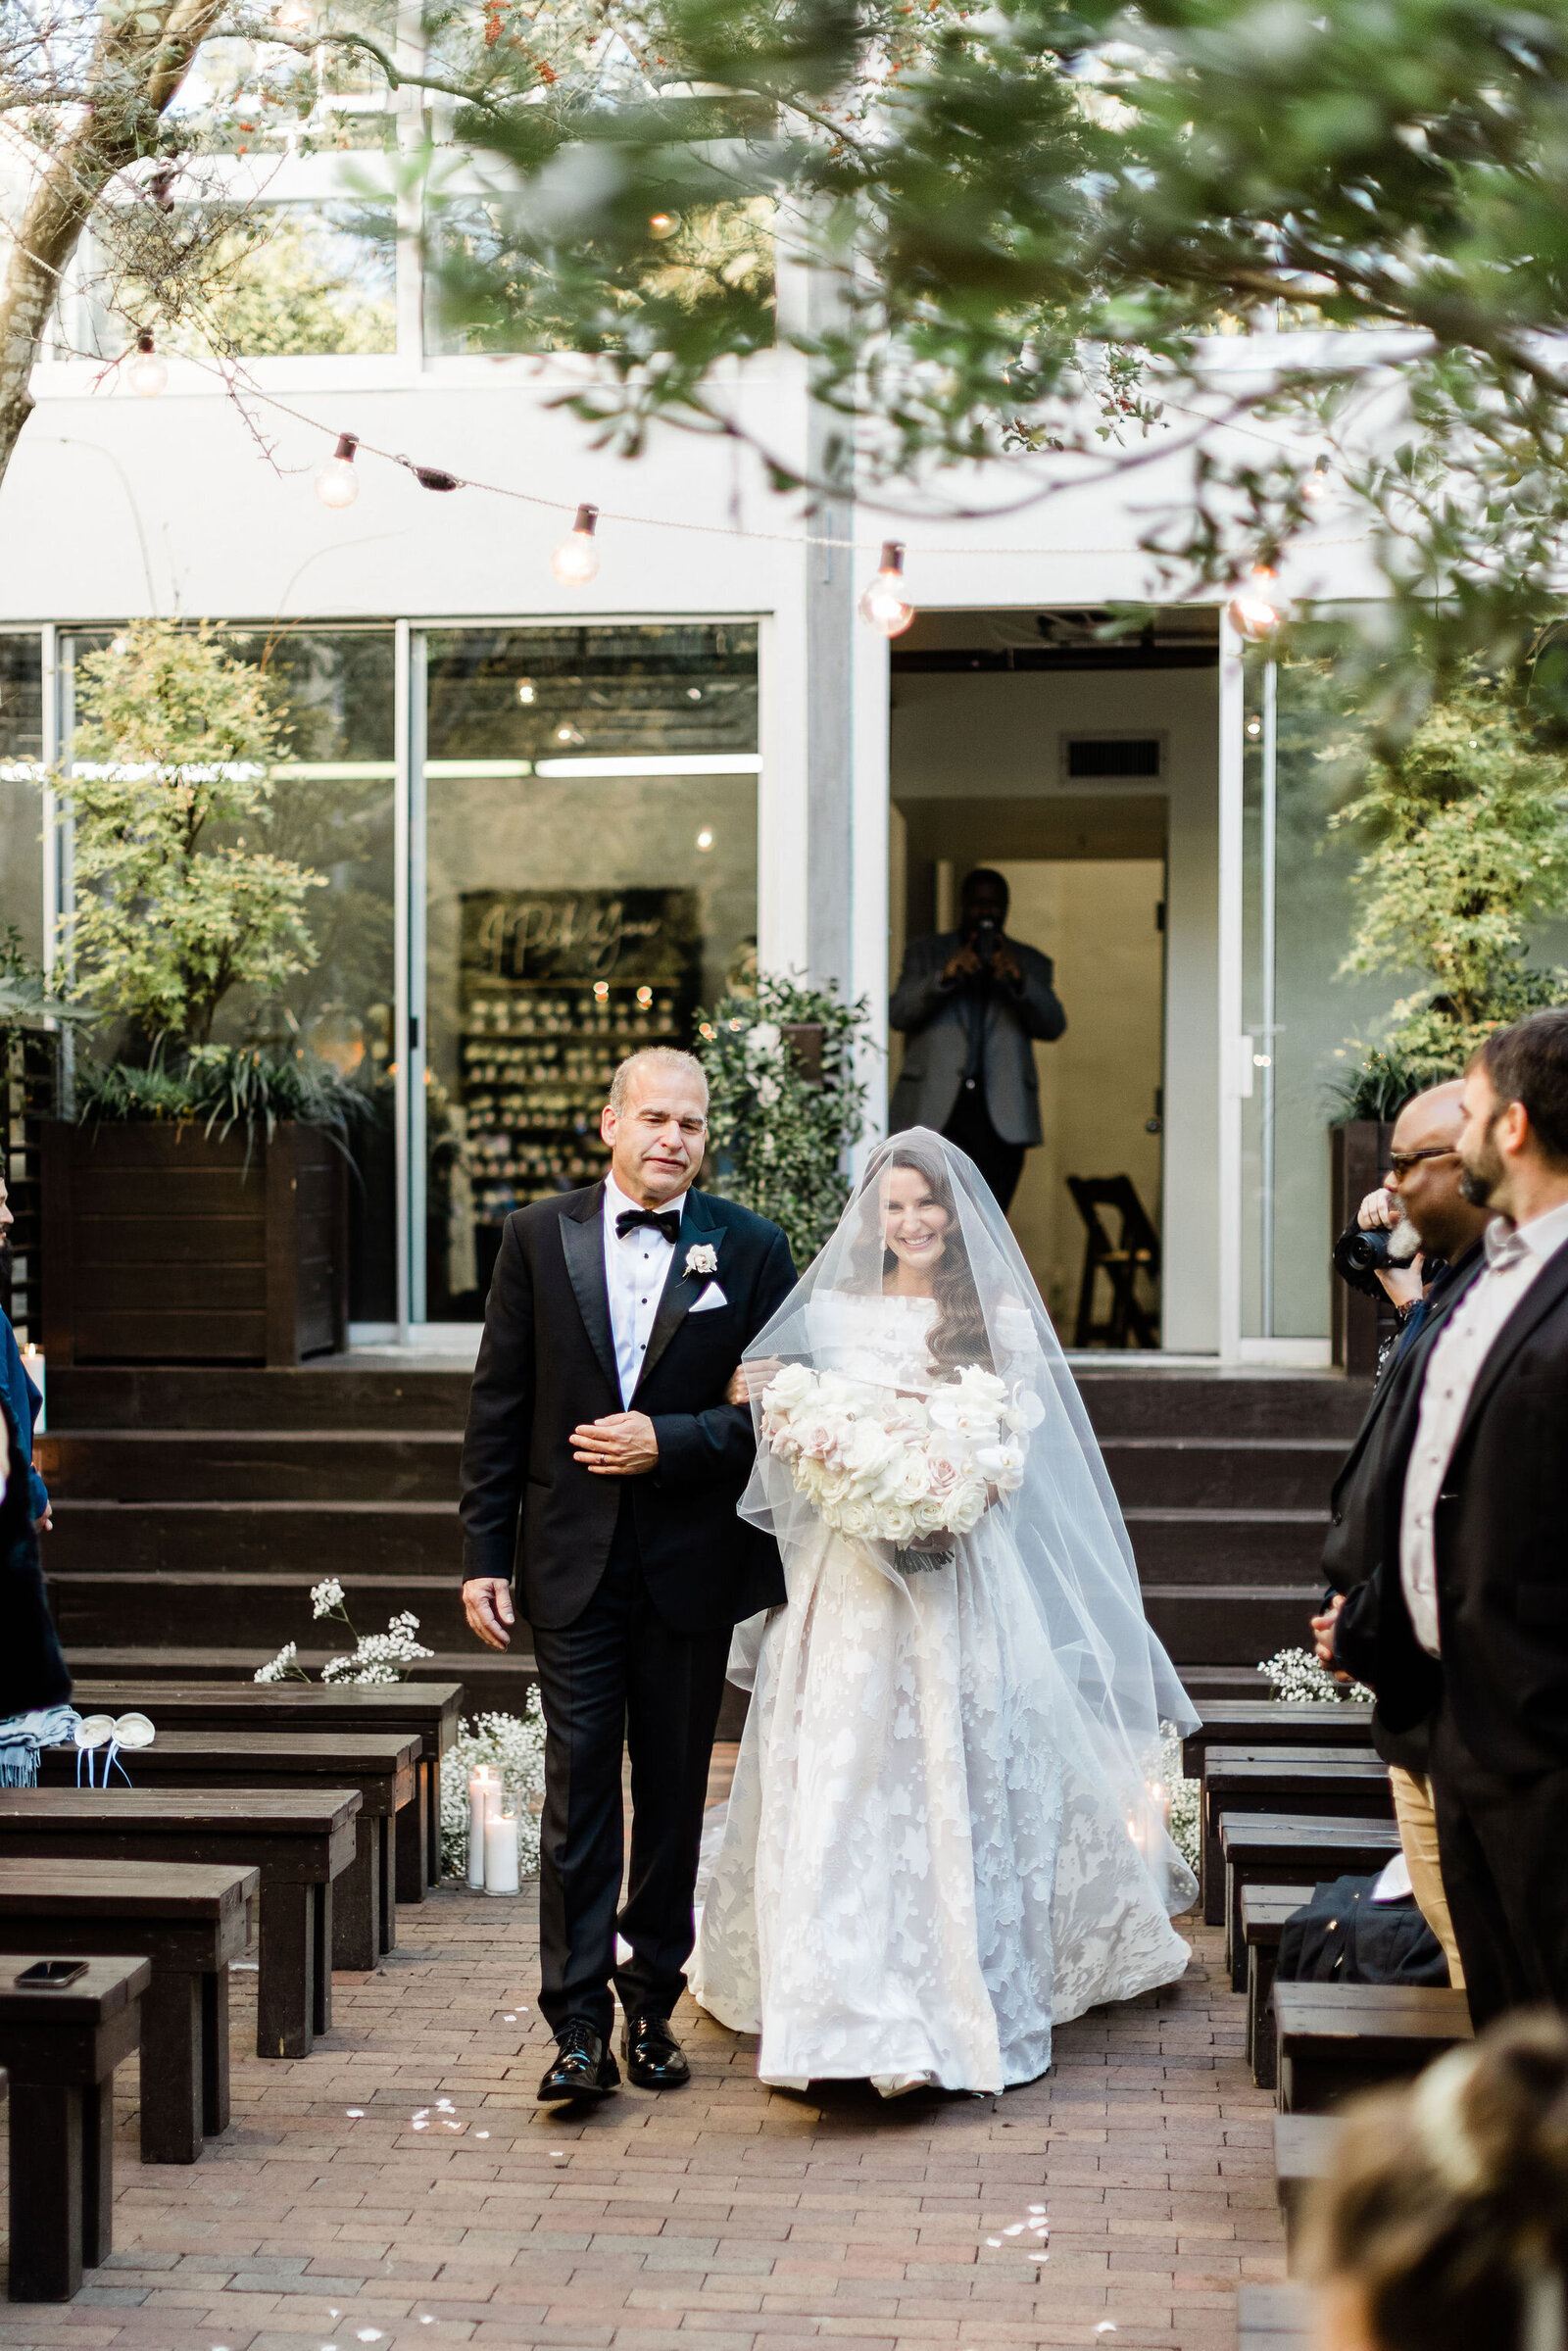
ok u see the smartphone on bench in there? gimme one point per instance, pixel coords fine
(50, 1975)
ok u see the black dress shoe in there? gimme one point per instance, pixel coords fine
(582, 2067)
(654, 2058)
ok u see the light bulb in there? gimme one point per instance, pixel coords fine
(148, 372)
(525, 693)
(1317, 483)
(566, 732)
(337, 484)
(1251, 613)
(882, 603)
(705, 839)
(663, 224)
(575, 560)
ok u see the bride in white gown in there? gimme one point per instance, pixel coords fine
(946, 1833)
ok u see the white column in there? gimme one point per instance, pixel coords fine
(1235, 1050)
(868, 908)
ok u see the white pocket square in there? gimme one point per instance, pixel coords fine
(712, 1296)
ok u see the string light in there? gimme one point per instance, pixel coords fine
(1317, 483)
(575, 560)
(148, 373)
(526, 693)
(1251, 613)
(705, 839)
(337, 484)
(882, 603)
(663, 224)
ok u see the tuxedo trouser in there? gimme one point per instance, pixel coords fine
(969, 1127)
(1418, 1841)
(1500, 1842)
(619, 1680)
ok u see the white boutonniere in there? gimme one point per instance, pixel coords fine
(702, 1258)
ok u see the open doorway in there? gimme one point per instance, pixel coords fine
(1094, 795)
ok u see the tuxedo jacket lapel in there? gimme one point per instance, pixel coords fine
(1547, 1291)
(681, 1290)
(582, 1239)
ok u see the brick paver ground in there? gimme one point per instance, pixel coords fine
(398, 2188)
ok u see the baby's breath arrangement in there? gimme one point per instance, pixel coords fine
(1297, 1679)
(780, 1138)
(375, 1658)
(513, 1745)
(1181, 1818)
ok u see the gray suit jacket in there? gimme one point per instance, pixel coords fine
(936, 1021)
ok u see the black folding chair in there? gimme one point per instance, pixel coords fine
(1134, 1250)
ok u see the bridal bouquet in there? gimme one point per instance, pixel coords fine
(895, 1468)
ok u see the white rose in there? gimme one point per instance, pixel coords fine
(856, 1517)
(930, 1515)
(764, 1041)
(896, 1522)
(789, 1387)
(870, 1453)
(981, 1386)
(967, 1507)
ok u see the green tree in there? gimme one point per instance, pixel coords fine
(781, 1133)
(1466, 830)
(174, 902)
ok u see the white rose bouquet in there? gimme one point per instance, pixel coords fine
(901, 1469)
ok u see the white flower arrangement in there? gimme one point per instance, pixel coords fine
(891, 1468)
(375, 1658)
(1180, 1797)
(513, 1745)
(1296, 1678)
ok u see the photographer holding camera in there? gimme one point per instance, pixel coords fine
(972, 1002)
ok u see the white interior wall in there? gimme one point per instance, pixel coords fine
(997, 736)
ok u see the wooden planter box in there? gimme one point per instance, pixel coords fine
(1360, 1161)
(163, 1246)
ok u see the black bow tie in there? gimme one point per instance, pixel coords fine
(665, 1221)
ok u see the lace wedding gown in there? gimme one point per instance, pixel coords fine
(923, 1869)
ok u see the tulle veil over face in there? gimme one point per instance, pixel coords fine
(1061, 1513)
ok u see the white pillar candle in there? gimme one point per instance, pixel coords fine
(501, 1853)
(484, 1798)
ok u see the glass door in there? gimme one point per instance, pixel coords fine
(589, 802)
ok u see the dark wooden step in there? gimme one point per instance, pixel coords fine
(1269, 1848)
(228, 1466)
(1265, 1913)
(1226, 1624)
(1240, 1546)
(324, 1537)
(1223, 1473)
(1331, 1780)
(324, 1395)
(1150, 1402)
(224, 1605)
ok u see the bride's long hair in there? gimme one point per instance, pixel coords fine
(958, 1332)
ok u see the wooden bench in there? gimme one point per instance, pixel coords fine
(299, 1840)
(384, 1768)
(1305, 2148)
(1272, 1779)
(1271, 1848)
(426, 1710)
(1264, 1911)
(1265, 1722)
(1334, 2040)
(60, 2050)
(188, 1921)
(1273, 2318)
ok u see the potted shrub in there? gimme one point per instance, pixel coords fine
(1466, 829)
(195, 1210)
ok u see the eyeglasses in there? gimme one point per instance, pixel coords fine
(1402, 1162)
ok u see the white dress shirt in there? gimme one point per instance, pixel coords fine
(636, 1269)
(1514, 1258)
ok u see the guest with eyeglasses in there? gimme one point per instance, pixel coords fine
(1421, 1200)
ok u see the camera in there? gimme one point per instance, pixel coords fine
(1372, 1252)
(987, 932)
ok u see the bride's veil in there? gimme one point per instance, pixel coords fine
(1063, 1518)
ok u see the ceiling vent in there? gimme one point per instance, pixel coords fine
(1112, 758)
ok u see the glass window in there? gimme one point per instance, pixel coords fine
(591, 799)
(332, 809)
(21, 809)
(263, 281)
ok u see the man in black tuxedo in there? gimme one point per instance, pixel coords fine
(601, 1473)
(1424, 1188)
(1472, 1626)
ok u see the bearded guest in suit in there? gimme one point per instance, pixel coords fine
(972, 1002)
(1423, 1190)
(1472, 1629)
(601, 1472)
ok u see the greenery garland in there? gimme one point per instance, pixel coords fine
(780, 1138)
